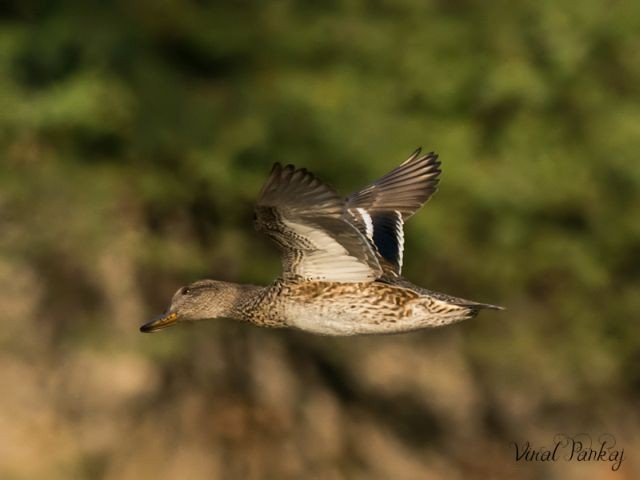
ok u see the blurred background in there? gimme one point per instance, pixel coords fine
(134, 137)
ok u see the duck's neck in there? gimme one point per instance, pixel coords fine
(246, 299)
(259, 305)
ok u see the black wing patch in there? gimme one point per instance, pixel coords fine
(388, 236)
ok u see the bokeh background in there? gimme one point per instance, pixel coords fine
(134, 137)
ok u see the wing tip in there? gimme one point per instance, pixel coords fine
(277, 166)
(426, 163)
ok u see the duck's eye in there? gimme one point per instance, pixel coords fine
(184, 291)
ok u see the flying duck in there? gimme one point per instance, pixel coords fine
(341, 260)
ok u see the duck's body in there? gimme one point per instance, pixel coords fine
(342, 261)
(328, 308)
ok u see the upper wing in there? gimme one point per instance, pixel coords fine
(306, 219)
(380, 209)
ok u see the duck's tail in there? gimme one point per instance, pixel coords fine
(480, 306)
(463, 302)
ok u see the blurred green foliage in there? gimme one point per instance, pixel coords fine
(154, 123)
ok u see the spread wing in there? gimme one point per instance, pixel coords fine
(380, 209)
(306, 219)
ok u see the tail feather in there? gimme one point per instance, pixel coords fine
(463, 302)
(480, 306)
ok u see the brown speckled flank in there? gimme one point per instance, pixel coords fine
(342, 260)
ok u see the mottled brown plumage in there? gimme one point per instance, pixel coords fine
(341, 258)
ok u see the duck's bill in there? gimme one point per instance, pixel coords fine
(160, 322)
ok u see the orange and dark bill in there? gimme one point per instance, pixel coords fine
(160, 322)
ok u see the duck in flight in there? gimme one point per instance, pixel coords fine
(341, 258)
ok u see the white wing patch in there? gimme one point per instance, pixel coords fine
(327, 260)
(400, 239)
(366, 218)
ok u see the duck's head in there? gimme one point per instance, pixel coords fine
(202, 300)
